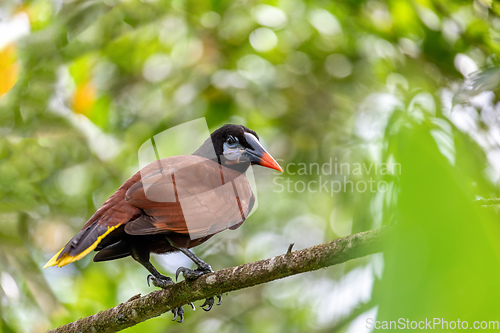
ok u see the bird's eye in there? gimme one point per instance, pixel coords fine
(232, 141)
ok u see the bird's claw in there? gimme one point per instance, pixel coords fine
(160, 282)
(178, 271)
(209, 302)
(178, 312)
(191, 274)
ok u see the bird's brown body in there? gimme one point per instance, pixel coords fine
(179, 201)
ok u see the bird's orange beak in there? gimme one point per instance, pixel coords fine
(268, 161)
(258, 155)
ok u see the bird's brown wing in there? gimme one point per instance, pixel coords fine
(192, 196)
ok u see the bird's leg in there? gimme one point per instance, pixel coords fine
(190, 274)
(142, 257)
(159, 280)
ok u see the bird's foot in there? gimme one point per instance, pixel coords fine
(192, 274)
(209, 302)
(160, 281)
(179, 313)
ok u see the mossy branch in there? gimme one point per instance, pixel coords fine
(139, 309)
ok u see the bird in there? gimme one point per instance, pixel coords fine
(174, 204)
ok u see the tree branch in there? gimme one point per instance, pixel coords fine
(139, 309)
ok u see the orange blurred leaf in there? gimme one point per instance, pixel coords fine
(84, 98)
(9, 68)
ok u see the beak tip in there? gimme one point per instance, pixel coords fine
(269, 162)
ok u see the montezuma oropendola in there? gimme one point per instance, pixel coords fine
(174, 204)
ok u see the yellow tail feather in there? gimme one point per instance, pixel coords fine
(67, 259)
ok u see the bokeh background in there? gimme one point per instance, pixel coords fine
(83, 84)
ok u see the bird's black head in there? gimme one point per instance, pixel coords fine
(237, 147)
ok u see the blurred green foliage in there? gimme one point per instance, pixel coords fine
(408, 83)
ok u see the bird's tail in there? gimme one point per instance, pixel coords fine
(84, 242)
